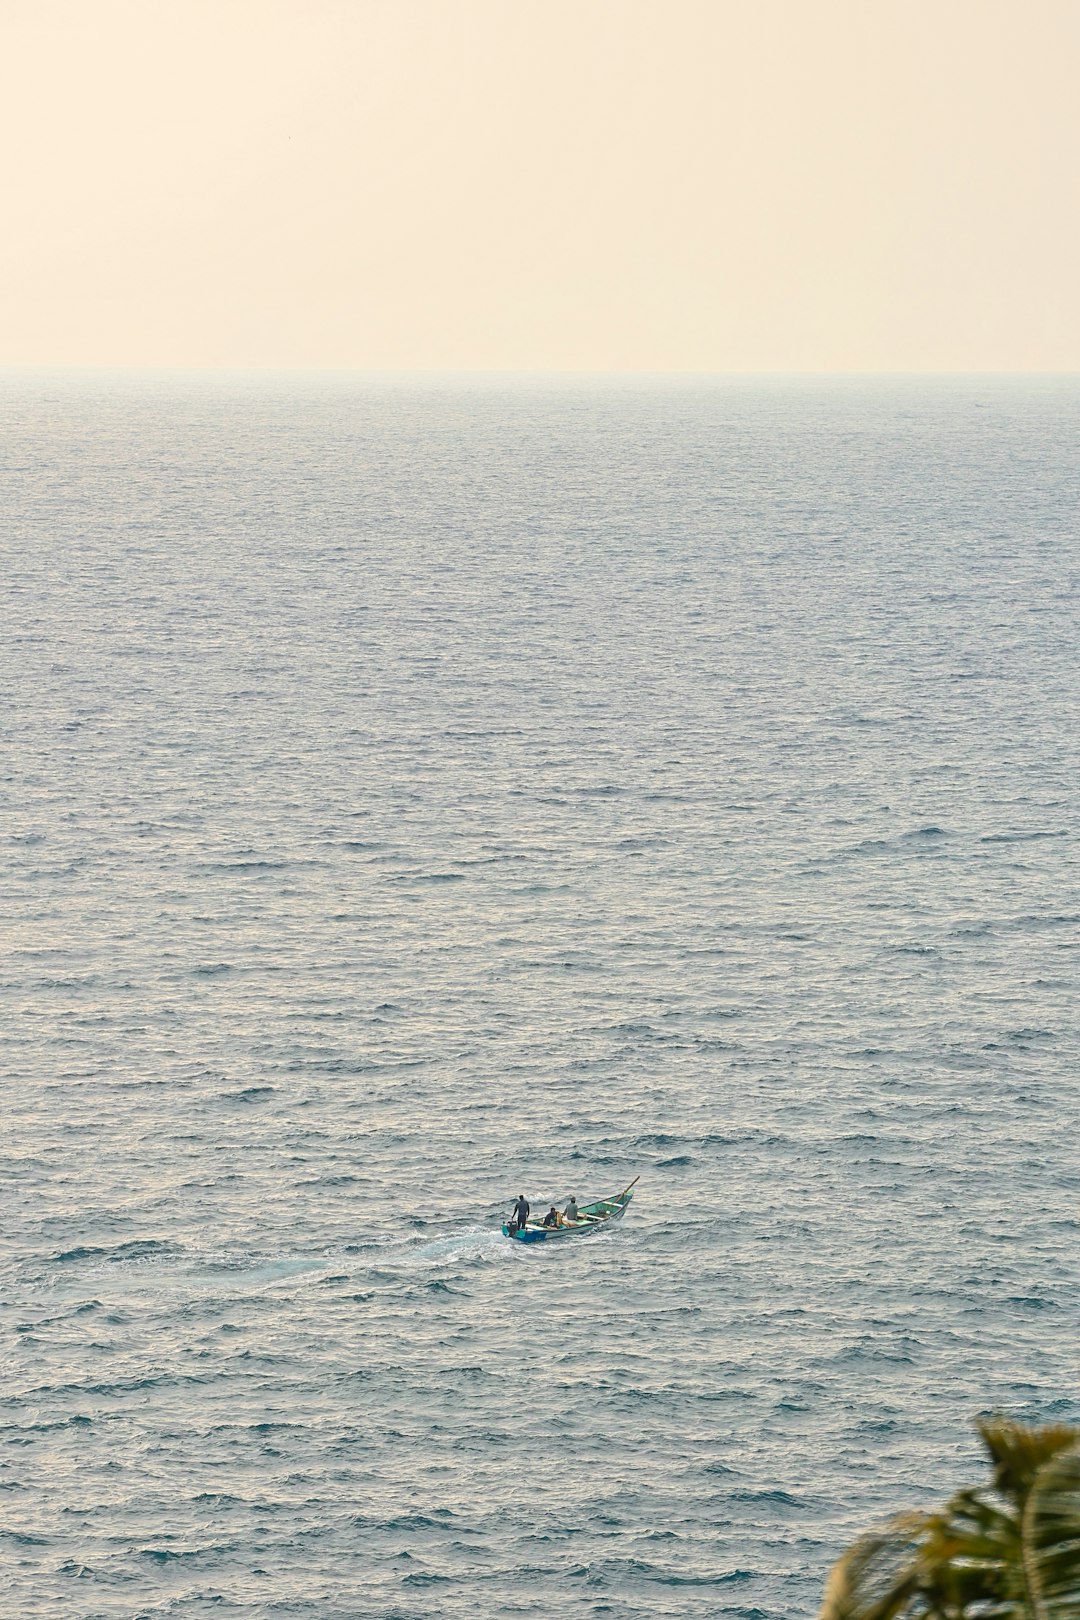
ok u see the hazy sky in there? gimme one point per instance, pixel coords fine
(705, 185)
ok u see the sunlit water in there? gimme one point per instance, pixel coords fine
(418, 794)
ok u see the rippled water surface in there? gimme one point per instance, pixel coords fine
(418, 794)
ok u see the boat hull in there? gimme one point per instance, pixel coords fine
(594, 1217)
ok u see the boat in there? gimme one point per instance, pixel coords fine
(591, 1218)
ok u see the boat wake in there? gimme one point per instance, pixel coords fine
(473, 1244)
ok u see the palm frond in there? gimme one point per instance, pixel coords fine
(1008, 1551)
(877, 1579)
(1018, 1451)
(1051, 1539)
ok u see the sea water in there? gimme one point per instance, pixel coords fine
(418, 793)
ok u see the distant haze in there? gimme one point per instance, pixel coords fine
(573, 185)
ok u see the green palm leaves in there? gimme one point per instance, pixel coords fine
(1008, 1551)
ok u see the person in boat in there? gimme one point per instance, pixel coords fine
(521, 1212)
(552, 1217)
(570, 1213)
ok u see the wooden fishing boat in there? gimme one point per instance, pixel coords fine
(591, 1218)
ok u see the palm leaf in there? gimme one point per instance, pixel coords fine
(877, 1579)
(1051, 1539)
(969, 1548)
(1018, 1452)
(1007, 1552)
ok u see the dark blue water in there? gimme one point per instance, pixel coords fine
(417, 794)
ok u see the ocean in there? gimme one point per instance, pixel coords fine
(418, 792)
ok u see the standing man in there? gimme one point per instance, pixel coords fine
(521, 1212)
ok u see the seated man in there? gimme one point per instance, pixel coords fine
(570, 1213)
(552, 1217)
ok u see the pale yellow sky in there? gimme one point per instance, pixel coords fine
(594, 185)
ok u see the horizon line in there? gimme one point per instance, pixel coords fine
(275, 369)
